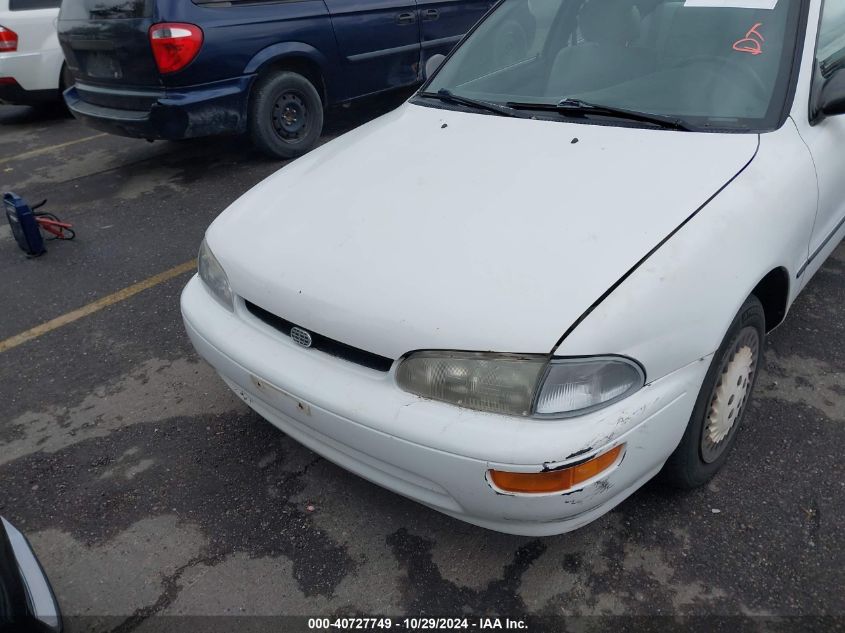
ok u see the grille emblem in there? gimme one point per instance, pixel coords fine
(300, 336)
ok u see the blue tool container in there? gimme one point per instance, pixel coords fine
(24, 225)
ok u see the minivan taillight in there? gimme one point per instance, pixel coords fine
(174, 45)
(8, 40)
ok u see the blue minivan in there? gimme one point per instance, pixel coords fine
(174, 69)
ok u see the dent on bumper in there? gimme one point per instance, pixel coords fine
(432, 452)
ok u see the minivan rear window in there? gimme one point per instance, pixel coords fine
(30, 5)
(105, 9)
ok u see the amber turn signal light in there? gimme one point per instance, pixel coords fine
(555, 480)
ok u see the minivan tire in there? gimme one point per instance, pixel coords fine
(722, 401)
(66, 80)
(285, 115)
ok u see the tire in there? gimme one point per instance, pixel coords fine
(285, 115)
(65, 80)
(722, 401)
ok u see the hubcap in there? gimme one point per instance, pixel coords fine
(727, 403)
(290, 116)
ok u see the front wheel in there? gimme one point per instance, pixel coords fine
(722, 401)
(286, 115)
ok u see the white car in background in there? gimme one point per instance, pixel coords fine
(32, 69)
(551, 273)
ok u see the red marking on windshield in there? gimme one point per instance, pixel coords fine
(752, 42)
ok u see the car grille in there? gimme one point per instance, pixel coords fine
(323, 343)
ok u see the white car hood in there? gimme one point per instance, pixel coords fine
(433, 229)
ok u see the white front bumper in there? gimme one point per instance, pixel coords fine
(429, 451)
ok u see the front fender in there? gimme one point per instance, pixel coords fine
(677, 304)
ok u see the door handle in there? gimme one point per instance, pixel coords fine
(430, 15)
(406, 18)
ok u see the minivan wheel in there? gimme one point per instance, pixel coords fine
(722, 401)
(65, 80)
(286, 115)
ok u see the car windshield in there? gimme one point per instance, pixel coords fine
(712, 64)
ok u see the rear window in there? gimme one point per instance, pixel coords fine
(29, 5)
(104, 9)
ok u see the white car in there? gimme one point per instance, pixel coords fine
(550, 274)
(32, 69)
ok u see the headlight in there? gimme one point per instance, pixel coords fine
(212, 273)
(485, 382)
(575, 386)
(520, 385)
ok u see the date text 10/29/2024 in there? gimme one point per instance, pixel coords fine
(418, 624)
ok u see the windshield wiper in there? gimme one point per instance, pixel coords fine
(578, 107)
(448, 96)
(829, 65)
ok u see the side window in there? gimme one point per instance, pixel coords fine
(29, 5)
(831, 46)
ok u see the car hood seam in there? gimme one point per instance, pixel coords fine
(656, 248)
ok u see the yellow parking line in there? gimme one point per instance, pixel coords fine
(94, 306)
(44, 150)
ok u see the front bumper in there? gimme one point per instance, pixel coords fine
(433, 452)
(171, 114)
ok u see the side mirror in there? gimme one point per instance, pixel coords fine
(830, 98)
(433, 64)
(28, 603)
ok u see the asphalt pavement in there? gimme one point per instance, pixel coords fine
(148, 490)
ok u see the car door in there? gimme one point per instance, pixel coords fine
(825, 139)
(379, 42)
(444, 22)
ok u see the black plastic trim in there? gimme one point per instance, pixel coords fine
(13, 94)
(362, 57)
(323, 343)
(821, 247)
(797, 57)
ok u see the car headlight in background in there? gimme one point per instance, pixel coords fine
(212, 273)
(520, 385)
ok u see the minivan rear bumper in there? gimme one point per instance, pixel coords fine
(215, 108)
